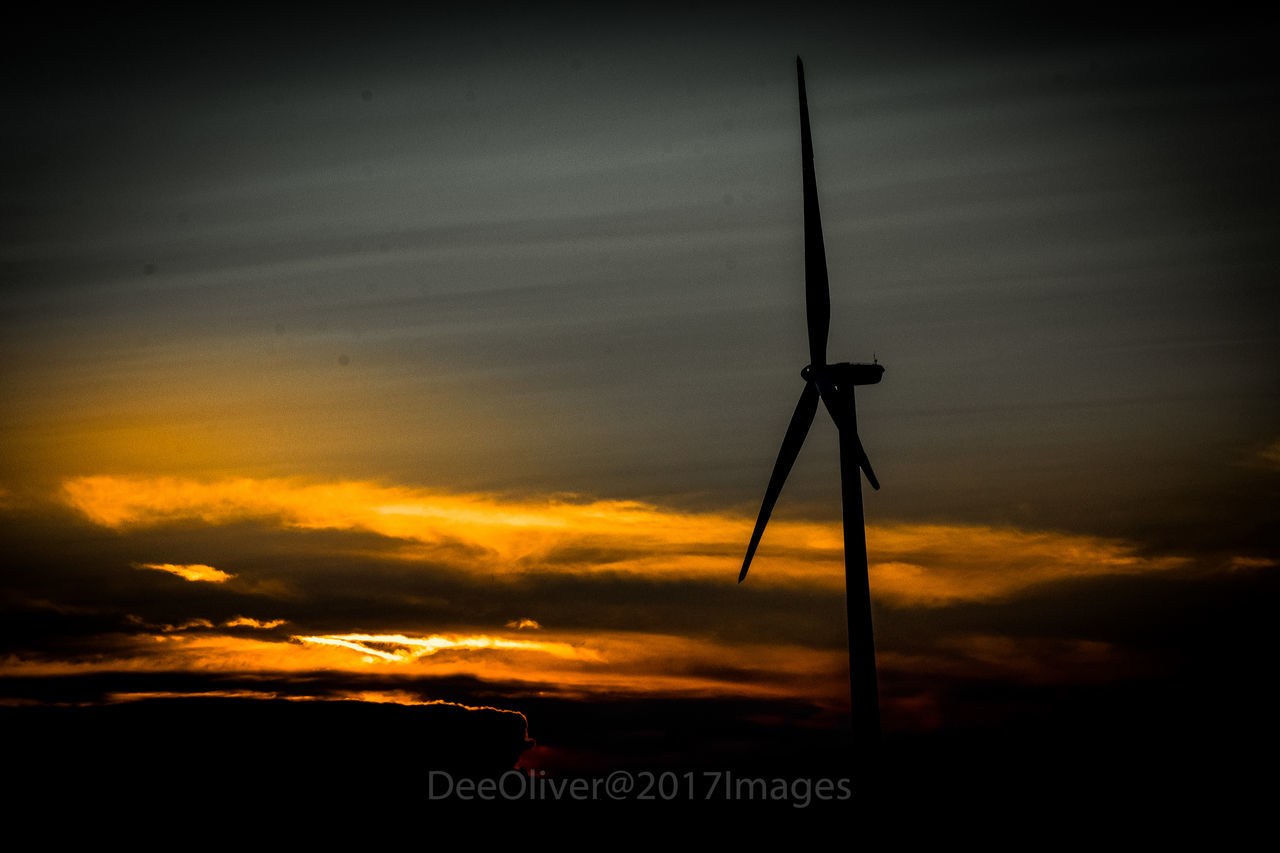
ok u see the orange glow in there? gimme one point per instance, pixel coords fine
(246, 622)
(910, 564)
(113, 698)
(505, 536)
(412, 648)
(931, 565)
(570, 664)
(604, 663)
(189, 571)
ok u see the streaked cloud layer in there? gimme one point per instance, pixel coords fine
(657, 557)
(911, 564)
(624, 663)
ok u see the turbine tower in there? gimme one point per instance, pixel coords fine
(833, 384)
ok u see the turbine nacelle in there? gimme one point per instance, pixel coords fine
(844, 373)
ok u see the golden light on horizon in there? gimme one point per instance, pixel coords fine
(406, 649)
(614, 662)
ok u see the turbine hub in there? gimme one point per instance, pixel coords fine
(845, 373)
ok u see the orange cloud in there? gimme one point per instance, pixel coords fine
(936, 564)
(399, 648)
(503, 535)
(522, 624)
(910, 564)
(575, 664)
(189, 571)
(246, 622)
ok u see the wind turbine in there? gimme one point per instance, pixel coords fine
(833, 384)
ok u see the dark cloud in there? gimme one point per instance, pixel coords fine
(1179, 615)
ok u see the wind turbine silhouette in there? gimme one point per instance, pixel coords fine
(833, 384)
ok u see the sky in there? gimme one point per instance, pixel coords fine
(439, 359)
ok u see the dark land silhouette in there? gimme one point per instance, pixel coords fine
(183, 745)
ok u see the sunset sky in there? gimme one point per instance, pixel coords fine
(443, 358)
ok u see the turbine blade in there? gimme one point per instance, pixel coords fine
(816, 290)
(865, 464)
(801, 420)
